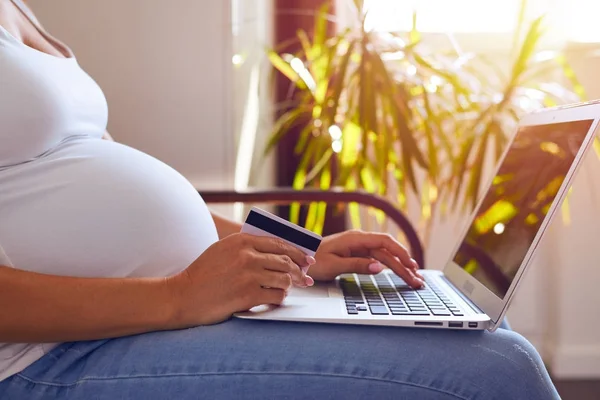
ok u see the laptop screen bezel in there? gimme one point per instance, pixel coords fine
(494, 306)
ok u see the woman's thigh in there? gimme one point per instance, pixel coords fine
(264, 360)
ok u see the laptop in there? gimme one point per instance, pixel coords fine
(478, 282)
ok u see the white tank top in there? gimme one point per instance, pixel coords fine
(73, 204)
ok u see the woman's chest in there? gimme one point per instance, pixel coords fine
(44, 99)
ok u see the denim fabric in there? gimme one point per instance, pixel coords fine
(277, 360)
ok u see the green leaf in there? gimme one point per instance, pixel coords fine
(321, 20)
(400, 114)
(444, 73)
(340, 81)
(359, 4)
(299, 182)
(321, 165)
(520, 24)
(367, 179)
(307, 46)
(282, 127)
(425, 201)
(415, 35)
(431, 120)
(305, 136)
(353, 208)
(527, 50)
(571, 76)
(477, 168)
(325, 184)
(311, 216)
(351, 134)
(461, 166)
(285, 69)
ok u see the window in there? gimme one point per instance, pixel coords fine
(458, 16)
(581, 19)
(569, 20)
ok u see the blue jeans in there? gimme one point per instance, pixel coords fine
(277, 360)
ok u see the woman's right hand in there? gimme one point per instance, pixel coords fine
(235, 274)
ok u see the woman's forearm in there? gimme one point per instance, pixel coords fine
(45, 308)
(225, 227)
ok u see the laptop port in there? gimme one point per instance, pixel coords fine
(472, 324)
(428, 323)
(455, 324)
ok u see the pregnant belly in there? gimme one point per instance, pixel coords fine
(98, 208)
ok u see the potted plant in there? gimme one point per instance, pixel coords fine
(394, 118)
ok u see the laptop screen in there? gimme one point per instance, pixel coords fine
(518, 200)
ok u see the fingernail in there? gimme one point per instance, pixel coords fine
(414, 263)
(309, 281)
(311, 260)
(375, 268)
(420, 281)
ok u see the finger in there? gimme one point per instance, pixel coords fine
(283, 263)
(413, 266)
(360, 265)
(271, 245)
(375, 241)
(272, 296)
(399, 268)
(275, 280)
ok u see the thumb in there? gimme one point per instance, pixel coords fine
(362, 265)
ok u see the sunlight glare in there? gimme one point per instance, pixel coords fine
(499, 228)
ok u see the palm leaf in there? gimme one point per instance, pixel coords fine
(282, 66)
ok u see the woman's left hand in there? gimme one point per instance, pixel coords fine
(364, 253)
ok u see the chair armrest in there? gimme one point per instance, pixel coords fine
(332, 196)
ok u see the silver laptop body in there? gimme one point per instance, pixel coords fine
(474, 289)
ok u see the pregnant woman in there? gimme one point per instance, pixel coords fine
(116, 282)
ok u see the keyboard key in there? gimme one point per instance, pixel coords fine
(352, 312)
(361, 308)
(441, 313)
(377, 310)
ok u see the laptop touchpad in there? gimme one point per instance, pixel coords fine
(317, 291)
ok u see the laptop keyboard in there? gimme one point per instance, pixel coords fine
(388, 294)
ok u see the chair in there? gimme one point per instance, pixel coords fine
(333, 196)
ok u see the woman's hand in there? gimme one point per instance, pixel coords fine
(364, 253)
(235, 274)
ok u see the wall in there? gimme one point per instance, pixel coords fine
(252, 28)
(573, 342)
(165, 68)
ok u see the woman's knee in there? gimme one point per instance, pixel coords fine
(509, 363)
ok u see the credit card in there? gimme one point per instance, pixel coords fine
(263, 223)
